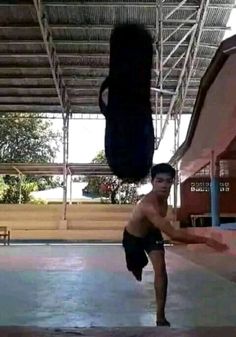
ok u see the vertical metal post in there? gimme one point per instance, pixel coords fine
(176, 181)
(157, 72)
(175, 136)
(119, 194)
(215, 191)
(65, 161)
(176, 178)
(71, 181)
(159, 69)
(20, 184)
(61, 89)
(176, 187)
(160, 37)
(20, 188)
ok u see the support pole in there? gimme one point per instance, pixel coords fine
(176, 190)
(157, 71)
(215, 191)
(65, 162)
(71, 183)
(20, 188)
(59, 83)
(160, 33)
(20, 175)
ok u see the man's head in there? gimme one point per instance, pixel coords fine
(162, 176)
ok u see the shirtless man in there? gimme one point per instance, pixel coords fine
(143, 234)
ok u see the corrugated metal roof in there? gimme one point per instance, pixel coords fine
(81, 31)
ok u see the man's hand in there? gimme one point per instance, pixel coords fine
(216, 245)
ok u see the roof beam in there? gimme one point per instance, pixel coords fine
(77, 83)
(52, 57)
(105, 27)
(94, 103)
(28, 76)
(150, 4)
(57, 115)
(69, 78)
(75, 99)
(71, 55)
(74, 77)
(20, 95)
(89, 43)
(67, 67)
(25, 88)
(20, 104)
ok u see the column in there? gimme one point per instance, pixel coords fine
(215, 191)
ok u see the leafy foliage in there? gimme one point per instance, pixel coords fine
(110, 186)
(26, 139)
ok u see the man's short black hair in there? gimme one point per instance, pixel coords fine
(162, 168)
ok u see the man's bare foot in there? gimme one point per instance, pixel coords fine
(163, 322)
(138, 274)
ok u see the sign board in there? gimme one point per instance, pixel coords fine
(204, 186)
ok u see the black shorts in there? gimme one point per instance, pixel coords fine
(152, 241)
(136, 249)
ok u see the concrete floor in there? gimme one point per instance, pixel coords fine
(118, 332)
(89, 286)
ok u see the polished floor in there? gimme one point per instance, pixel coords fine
(88, 286)
(117, 332)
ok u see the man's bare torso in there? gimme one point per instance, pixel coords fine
(138, 224)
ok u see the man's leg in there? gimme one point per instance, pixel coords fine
(157, 258)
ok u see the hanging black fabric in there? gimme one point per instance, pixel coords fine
(129, 135)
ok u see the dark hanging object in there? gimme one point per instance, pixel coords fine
(129, 135)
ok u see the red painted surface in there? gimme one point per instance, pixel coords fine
(193, 202)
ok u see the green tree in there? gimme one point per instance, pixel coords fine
(26, 138)
(13, 192)
(109, 186)
(2, 187)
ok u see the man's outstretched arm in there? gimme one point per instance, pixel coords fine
(177, 235)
